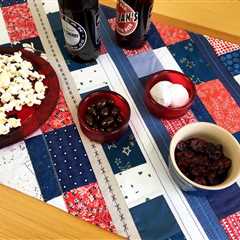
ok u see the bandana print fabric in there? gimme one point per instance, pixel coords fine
(61, 116)
(88, 204)
(19, 22)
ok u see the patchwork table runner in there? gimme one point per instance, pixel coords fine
(123, 187)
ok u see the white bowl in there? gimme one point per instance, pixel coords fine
(212, 133)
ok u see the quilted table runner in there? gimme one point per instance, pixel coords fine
(123, 187)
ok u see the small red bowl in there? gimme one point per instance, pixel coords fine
(169, 112)
(97, 135)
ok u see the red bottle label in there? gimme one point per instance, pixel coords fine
(127, 19)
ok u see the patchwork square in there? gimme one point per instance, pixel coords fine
(103, 49)
(174, 125)
(61, 116)
(16, 170)
(124, 153)
(128, 52)
(90, 78)
(191, 62)
(4, 37)
(88, 204)
(232, 62)
(141, 65)
(166, 59)
(170, 34)
(69, 158)
(5, 3)
(225, 202)
(221, 47)
(139, 184)
(19, 22)
(231, 225)
(220, 104)
(162, 226)
(43, 167)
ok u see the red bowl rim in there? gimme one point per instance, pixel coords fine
(93, 94)
(158, 75)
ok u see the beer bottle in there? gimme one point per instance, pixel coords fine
(80, 22)
(133, 22)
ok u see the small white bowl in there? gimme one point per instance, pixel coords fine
(211, 133)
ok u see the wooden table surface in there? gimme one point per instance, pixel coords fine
(217, 18)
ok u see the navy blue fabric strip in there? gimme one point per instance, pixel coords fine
(135, 87)
(43, 167)
(219, 69)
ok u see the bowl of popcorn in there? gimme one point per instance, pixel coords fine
(169, 94)
(204, 156)
(29, 92)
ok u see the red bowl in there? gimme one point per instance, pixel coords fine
(174, 77)
(97, 135)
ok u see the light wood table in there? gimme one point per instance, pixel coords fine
(213, 17)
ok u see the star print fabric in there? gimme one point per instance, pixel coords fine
(124, 154)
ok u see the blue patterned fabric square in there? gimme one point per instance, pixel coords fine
(55, 22)
(191, 62)
(155, 221)
(43, 167)
(69, 157)
(141, 65)
(124, 154)
(232, 62)
(225, 202)
(6, 3)
(154, 38)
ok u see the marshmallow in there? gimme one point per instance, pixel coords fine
(180, 94)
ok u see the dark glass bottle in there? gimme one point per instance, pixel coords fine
(133, 22)
(80, 21)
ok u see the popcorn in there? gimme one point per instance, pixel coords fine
(4, 79)
(20, 85)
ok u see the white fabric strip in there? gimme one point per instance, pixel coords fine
(4, 37)
(115, 202)
(176, 200)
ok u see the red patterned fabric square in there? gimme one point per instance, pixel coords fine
(220, 104)
(61, 116)
(175, 124)
(19, 22)
(88, 204)
(170, 34)
(145, 48)
(231, 225)
(221, 47)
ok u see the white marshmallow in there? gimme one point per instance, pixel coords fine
(180, 95)
(161, 93)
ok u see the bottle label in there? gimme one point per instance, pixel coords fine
(75, 35)
(127, 19)
(97, 28)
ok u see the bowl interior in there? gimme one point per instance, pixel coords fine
(217, 135)
(173, 77)
(94, 97)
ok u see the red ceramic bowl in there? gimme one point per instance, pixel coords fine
(174, 77)
(97, 135)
